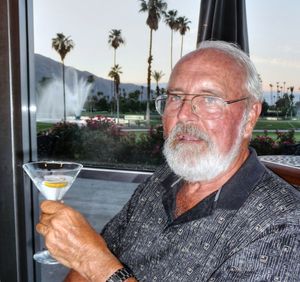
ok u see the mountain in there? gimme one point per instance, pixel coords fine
(48, 69)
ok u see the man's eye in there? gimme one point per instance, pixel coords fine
(210, 100)
(174, 98)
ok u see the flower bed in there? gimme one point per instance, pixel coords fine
(102, 143)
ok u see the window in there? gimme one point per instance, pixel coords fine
(97, 82)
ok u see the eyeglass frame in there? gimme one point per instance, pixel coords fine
(180, 94)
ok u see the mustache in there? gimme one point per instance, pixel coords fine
(189, 129)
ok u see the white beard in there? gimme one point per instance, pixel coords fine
(194, 162)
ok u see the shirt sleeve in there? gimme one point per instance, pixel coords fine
(274, 257)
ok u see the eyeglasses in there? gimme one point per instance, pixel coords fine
(205, 107)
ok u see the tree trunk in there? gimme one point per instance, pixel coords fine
(149, 80)
(115, 52)
(118, 102)
(181, 46)
(112, 100)
(171, 49)
(64, 91)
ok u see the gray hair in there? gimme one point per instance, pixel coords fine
(253, 82)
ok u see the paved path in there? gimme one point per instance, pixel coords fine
(274, 130)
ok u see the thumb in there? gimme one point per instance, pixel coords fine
(51, 207)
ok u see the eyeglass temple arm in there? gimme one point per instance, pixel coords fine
(236, 100)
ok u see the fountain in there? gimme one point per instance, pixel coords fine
(50, 96)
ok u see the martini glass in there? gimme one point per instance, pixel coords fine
(53, 179)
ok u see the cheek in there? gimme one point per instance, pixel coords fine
(223, 133)
(228, 135)
(168, 125)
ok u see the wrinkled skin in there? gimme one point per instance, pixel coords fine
(74, 243)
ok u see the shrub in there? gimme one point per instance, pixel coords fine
(101, 142)
(263, 144)
(284, 143)
(100, 122)
(68, 141)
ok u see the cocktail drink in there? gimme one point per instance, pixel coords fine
(53, 179)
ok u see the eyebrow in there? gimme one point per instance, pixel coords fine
(206, 91)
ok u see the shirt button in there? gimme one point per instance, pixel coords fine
(221, 220)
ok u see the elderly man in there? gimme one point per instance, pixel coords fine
(213, 212)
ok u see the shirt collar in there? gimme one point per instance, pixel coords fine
(232, 195)
(237, 189)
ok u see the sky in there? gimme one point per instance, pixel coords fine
(273, 31)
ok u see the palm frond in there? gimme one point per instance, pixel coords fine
(62, 44)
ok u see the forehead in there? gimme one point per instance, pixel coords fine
(208, 70)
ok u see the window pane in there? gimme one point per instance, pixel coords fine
(91, 80)
(274, 51)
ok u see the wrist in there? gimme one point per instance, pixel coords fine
(100, 270)
(96, 262)
(121, 275)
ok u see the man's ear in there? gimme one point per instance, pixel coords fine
(253, 116)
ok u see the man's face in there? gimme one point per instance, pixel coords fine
(194, 139)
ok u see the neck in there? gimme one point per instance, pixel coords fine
(191, 194)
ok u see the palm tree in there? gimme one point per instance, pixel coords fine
(157, 76)
(115, 75)
(115, 39)
(171, 21)
(155, 9)
(183, 28)
(291, 100)
(271, 93)
(63, 45)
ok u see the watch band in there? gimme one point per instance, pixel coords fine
(121, 275)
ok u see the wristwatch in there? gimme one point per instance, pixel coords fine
(121, 275)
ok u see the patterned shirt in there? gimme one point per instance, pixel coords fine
(249, 231)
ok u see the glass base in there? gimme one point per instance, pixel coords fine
(44, 257)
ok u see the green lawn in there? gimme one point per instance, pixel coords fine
(277, 124)
(261, 124)
(42, 126)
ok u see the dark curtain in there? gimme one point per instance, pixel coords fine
(224, 20)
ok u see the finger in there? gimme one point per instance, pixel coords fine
(51, 207)
(45, 218)
(42, 229)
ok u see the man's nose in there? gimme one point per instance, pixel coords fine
(186, 113)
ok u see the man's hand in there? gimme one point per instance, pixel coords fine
(74, 243)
